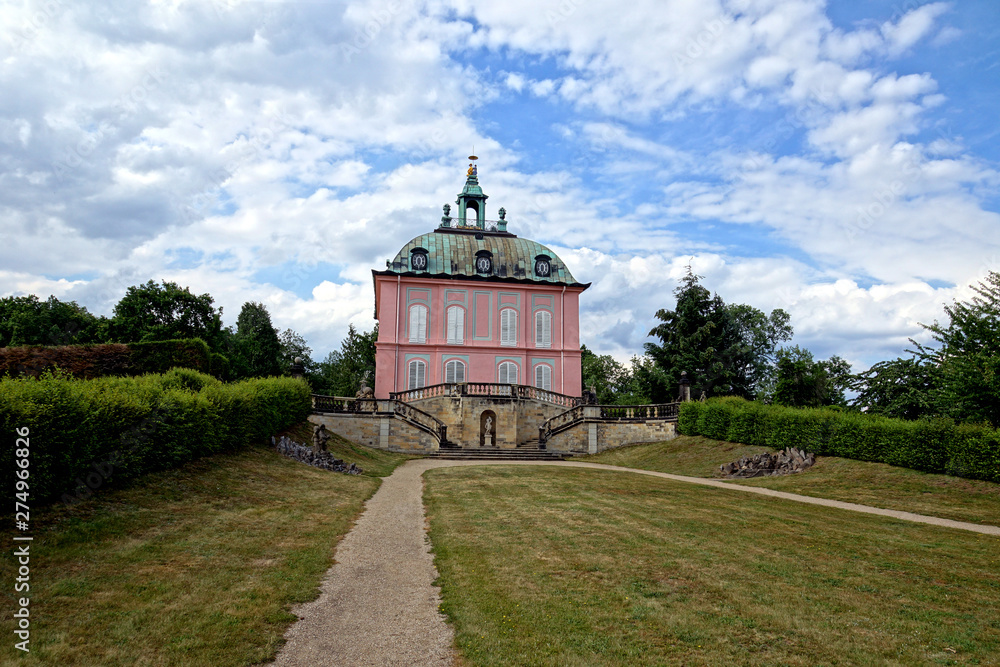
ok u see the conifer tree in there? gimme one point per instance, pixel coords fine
(256, 346)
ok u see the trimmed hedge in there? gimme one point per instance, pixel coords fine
(937, 445)
(93, 361)
(83, 431)
(159, 356)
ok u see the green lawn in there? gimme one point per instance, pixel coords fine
(540, 566)
(875, 484)
(193, 566)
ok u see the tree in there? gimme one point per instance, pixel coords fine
(609, 378)
(804, 383)
(163, 312)
(26, 320)
(256, 348)
(294, 346)
(754, 354)
(343, 371)
(969, 355)
(724, 349)
(900, 388)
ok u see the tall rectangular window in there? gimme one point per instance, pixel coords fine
(543, 329)
(456, 325)
(543, 377)
(418, 324)
(508, 326)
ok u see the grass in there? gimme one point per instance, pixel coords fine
(374, 462)
(695, 456)
(540, 566)
(198, 565)
(876, 484)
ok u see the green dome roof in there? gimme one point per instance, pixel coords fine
(453, 253)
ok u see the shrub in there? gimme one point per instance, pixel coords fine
(687, 417)
(158, 356)
(186, 378)
(82, 431)
(936, 445)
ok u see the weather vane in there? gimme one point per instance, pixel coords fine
(472, 165)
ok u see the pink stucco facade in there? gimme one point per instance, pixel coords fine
(476, 345)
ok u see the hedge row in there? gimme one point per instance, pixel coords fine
(937, 445)
(84, 431)
(93, 361)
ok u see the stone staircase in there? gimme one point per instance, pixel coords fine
(528, 453)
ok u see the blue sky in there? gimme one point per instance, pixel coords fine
(838, 160)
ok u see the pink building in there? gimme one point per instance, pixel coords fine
(471, 302)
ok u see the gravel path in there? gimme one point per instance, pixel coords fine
(378, 603)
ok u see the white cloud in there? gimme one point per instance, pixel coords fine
(912, 27)
(209, 143)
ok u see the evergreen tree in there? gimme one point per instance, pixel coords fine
(969, 355)
(256, 348)
(343, 371)
(805, 383)
(725, 350)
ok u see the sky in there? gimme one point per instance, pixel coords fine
(838, 160)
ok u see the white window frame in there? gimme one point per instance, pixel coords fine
(504, 369)
(543, 377)
(458, 375)
(418, 323)
(456, 325)
(508, 326)
(416, 374)
(543, 329)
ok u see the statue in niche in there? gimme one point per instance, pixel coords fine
(489, 425)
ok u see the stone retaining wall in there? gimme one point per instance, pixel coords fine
(591, 436)
(381, 431)
(516, 424)
(517, 419)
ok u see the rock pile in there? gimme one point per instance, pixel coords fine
(784, 462)
(321, 459)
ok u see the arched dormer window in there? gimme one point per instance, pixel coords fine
(418, 259)
(484, 262)
(543, 266)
